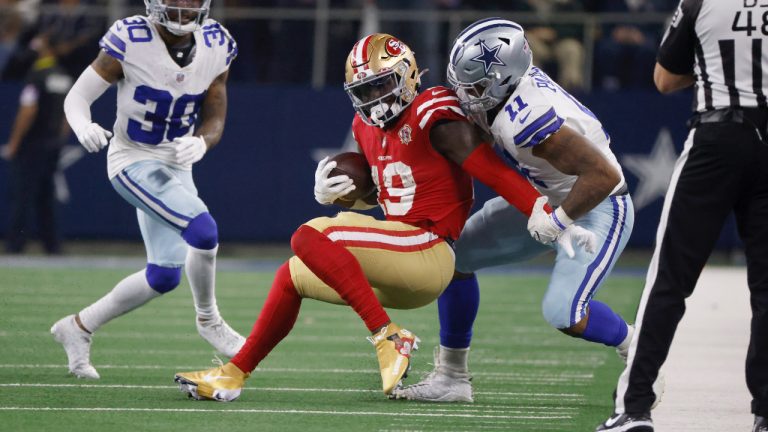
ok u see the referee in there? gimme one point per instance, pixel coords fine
(719, 46)
(37, 136)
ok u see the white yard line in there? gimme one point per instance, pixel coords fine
(511, 376)
(269, 411)
(169, 387)
(281, 389)
(706, 388)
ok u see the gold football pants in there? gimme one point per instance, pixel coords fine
(408, 267)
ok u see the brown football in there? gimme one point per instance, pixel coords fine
(355, 166)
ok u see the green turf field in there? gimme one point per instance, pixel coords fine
(527, 376)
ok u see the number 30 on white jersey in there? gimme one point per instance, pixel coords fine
(158, 100)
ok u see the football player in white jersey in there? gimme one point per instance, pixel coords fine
(564, 151)
(168, 66)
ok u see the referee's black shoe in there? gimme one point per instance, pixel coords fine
(627, 423)
(761, 424)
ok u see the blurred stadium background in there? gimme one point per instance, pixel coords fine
(287, 107)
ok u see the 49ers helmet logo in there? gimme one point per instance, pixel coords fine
(394, 47)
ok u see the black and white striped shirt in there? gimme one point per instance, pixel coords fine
(723, 43)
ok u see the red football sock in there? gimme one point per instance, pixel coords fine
(275, 321)
(339, 269)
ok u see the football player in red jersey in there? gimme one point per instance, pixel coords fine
(422, 152)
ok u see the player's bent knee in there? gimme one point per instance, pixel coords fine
(202, 232)
(557, 316)
(303, 238)
(163, 279)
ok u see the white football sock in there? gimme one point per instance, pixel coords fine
(126, 296)
(201, 273)
(454, 359)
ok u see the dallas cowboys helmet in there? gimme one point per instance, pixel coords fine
(178, 16)
(487, 61)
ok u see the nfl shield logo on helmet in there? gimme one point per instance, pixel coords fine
(179, 77)
(405, 134)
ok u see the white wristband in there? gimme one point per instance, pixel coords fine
(561, 218)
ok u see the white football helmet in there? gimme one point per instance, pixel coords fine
(487, 61)
(178, 16)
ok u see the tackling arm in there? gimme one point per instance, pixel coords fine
(460, 142)
(572, 154)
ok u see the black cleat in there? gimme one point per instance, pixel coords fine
(627, 423)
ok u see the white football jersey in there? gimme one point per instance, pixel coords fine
(158, 100)
(535, 110)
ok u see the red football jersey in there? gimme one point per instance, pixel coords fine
(416, 184)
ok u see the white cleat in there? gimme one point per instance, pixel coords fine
(221, 336)
(443, 384)
(77, 345)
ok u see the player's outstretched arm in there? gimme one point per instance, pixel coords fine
(91, 84)
(460, 142)
(190, 149)
(571, 153)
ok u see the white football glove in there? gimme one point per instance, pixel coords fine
(93, 137)
(329, 189)
(548, 228)
(543, 226)
(189, 149)
(578, 235)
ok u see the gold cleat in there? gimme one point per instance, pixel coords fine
(222, 383)
(393, 348)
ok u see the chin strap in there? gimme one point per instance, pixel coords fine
(180, 31)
